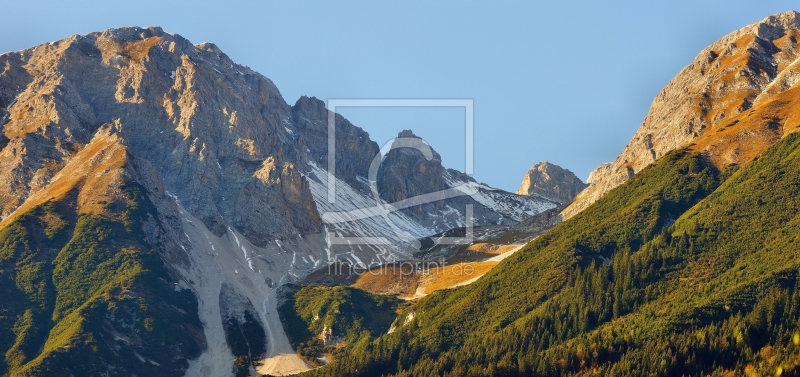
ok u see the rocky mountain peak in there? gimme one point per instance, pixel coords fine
(551, 182)
(736, 98)
(407, 172)
(407, 133)
(205, 123)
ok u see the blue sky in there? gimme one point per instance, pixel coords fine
(568, 82)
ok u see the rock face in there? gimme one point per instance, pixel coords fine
(732, 101)
(406, 173)
(207, 126)
(237, 178)
(551, 182)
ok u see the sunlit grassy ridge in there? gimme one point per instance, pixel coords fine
(671, 273)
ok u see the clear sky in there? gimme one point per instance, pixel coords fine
(564, 81)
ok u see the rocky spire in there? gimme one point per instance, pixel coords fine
(551, 182)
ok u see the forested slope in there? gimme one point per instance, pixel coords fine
(683, 270)
(82, 292)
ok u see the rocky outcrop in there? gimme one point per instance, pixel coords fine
(732, 101)
(407, 172)
(354, 149)
(551, 182)
(328, 338)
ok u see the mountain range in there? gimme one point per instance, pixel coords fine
(164, 211)
(230, 186)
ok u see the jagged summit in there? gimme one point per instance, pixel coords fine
(407, 133)
(736, 98)
(551, 182)
(199, 118)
